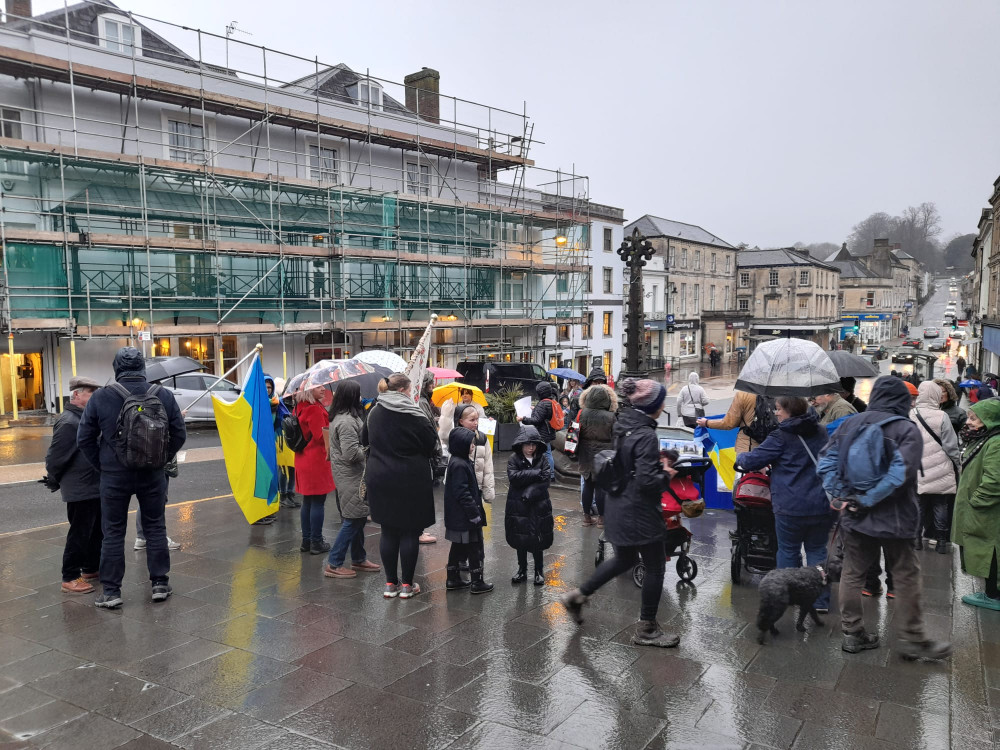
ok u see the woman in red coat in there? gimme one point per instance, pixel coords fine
(313, 477)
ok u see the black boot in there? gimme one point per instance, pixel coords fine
(942, 547)
(292, 501)
(919, 544)
(455, 580)
(520, 576)
(479, 586)
(285, 501)
(463, 566)
(319, 547)
(539, 578)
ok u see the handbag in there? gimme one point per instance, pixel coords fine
(936, 440)
(699, 411)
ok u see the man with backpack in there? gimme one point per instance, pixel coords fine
(128, 432)
(546, 417)
(870, 467)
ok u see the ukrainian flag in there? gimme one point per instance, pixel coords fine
(246, 430)
(720, 445)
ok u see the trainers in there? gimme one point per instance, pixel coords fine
(171, 544)
(79, 586)
(265, 521)
(873, 591)
(856, 642)
(573, 601)
(978, 599)
(139, 543)
(409, 590)
(927, 650)
(391, 591)
(331, 572)
(109, 601)
(161, 591)
(427, 539)
(648, 633)
(366, 566)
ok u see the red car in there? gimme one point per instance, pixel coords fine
(914, 343)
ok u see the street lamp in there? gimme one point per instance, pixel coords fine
(634, 252)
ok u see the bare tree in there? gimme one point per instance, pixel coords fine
(868, 230)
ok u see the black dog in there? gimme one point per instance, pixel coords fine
(782, 588)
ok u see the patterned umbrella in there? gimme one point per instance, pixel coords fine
(328, 372)
(391, 361)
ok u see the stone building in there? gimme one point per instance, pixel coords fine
(876, 285)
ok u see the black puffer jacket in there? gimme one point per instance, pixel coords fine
(463, 501)
(528, 523)
(542, 412)
(636, 516)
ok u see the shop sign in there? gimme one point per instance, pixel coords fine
(731, 324)
(686, 325)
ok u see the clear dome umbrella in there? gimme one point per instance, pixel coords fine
(789, 367)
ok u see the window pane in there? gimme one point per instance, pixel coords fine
(323, 164)
(186, 140)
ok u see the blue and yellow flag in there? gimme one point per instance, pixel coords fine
(246, 430)
(720, 445)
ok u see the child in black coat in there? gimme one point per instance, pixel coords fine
(528, 518)
(464, 516)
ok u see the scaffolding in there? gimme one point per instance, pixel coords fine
(146, 185)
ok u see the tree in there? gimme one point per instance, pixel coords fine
(958, 252)
(865, 232)
(916, 230)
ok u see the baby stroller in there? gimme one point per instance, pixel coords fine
(678, 539)
(755, 543)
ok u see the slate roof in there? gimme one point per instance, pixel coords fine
(851, 269)
(786, 256)
(652, 226)
(333, 83)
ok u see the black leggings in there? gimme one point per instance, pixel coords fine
(399, 546)
(471, 551)
(522, 560)
(654, 557)
(992, 589)
(591, 494)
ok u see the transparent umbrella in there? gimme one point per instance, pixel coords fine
(788, 367)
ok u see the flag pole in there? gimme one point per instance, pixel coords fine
(256, 352)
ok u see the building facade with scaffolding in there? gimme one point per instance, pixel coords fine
(196, 194)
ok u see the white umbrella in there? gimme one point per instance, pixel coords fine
(789, 367)
(390, 361)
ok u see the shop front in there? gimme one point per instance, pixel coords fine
(682, 342)
(873, 328)
(990, 350)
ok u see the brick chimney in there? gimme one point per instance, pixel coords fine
(422, 93)
(19, 9)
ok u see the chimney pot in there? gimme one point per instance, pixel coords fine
(18, 9)
(423, 94)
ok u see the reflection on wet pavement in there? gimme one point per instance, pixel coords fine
(257, 649)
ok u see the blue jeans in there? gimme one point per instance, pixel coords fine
(811, 532)
(312, 514)
(351, 534)
(552, 461)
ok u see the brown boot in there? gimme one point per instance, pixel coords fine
(600, 522)
(588, 520)
(79, 586)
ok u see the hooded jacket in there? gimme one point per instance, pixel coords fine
(597, 376)
(483, 459)
(636, 516)
(598, 406)
(691, 397)
(347, 462)
(976, 525)
(528, 522)
(939, 461)
(897, 516)
(100, 419)
(463, 502)
(542, 413)
(796, 489)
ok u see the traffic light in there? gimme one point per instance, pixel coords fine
(857, 325)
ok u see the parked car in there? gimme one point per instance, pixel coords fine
(932, 333)
(186, 388)
(492, 376)
(875, 351)
(913, 343)
(903, 357)
(939, 345)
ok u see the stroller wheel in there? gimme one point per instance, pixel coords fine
(639, 574)
(687, 568)
(736, 563)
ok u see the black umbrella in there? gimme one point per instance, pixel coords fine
(851, 365)
(161, 368)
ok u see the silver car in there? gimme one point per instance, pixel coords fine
(186, 388)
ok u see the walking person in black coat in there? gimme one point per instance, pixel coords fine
(634, 521)
(399, 481)
(79, 483)
(464, 515)
(528, 517)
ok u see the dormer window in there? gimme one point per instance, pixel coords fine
(118, 34)
(368, 93)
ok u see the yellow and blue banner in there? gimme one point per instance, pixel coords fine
(720, 446)
(246, 429)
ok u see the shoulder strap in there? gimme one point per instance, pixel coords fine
(928, 428)
(121, 390)
(806, 446)
(154, 388)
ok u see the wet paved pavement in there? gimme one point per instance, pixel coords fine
(257, 650)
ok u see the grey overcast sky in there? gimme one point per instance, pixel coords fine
(763, 121)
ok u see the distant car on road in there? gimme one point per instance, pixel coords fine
(903, 357)
(939, 345)
(875, 351)
(932, 333)
(913, 343)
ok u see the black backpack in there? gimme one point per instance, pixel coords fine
(295, 439)
(142, 434)
(608, 472)
(764, 422)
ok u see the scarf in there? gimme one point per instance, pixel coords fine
(401, 403)
(974, 440)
